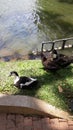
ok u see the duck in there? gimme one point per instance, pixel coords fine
(23, 82)
(55, 60)
(63, 60)
(48, 63)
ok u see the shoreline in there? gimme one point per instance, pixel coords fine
(33, 55)
(16, 57)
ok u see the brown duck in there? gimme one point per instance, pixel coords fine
(55, 61)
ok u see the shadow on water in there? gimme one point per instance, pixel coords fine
(66, 1)
(53, 81)
(54, 24)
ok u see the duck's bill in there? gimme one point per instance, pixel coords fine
(9, 75)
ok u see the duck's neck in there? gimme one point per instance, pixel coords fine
(16, 79)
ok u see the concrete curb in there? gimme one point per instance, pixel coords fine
(29, 106)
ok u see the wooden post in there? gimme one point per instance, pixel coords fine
(42, 47)
(63, 45)
(53, 45)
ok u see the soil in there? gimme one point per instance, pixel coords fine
(15, 57)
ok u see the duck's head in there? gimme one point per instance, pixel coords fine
(13, 73)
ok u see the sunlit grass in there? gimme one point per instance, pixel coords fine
(47, 89)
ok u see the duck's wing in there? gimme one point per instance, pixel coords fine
(30, 82)
(26, 82)
(24, 79)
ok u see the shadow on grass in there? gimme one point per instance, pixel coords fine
(50, 82)
(55, 22)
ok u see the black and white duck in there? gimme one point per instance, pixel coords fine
(23, 82)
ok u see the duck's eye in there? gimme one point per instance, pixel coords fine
(10, 74)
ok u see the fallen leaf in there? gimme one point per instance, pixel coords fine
(60, 89)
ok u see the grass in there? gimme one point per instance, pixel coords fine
(47, 89)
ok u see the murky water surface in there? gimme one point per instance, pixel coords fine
(21, 27)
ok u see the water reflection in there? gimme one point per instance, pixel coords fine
(24, 25)
(53, 25)
(18, 26)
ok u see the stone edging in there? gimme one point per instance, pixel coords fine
(29, 106)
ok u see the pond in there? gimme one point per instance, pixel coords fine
(24, 25)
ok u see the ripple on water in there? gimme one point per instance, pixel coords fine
(19, 30)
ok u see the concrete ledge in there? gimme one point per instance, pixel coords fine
(29, 106)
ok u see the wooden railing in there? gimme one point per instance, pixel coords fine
(59, 44)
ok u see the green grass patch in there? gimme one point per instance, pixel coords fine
(47, 89)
